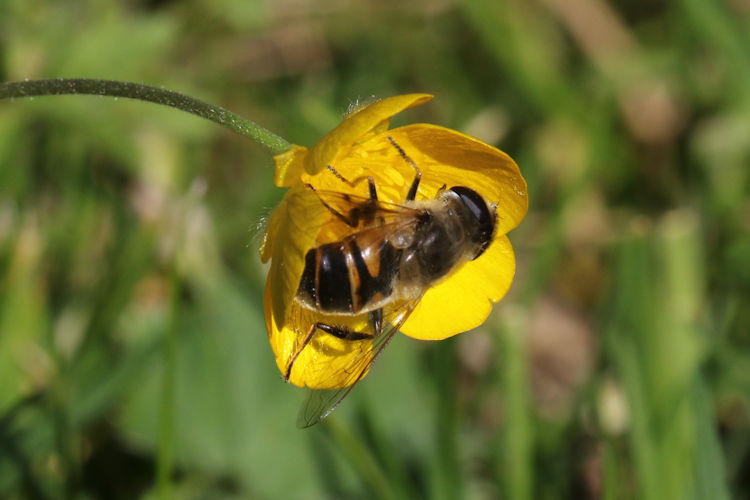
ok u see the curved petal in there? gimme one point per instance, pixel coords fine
(290, 165)
(464, 300)
(355, 126)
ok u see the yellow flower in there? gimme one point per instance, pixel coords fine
(362, 146)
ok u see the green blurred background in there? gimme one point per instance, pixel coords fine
(133, 354)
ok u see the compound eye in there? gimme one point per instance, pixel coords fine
(482, 218)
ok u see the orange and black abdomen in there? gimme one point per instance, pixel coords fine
(340, 277)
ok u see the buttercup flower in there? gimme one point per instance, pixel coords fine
(362, 146)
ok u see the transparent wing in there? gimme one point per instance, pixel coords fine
(319, 403)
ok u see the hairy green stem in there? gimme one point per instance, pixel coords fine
(112, 88)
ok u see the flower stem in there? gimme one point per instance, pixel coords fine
(113, 88)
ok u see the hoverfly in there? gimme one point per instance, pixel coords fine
(362, 287)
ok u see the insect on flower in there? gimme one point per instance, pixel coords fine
(383, 231)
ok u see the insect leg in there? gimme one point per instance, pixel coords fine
(344, 333)
(349, 220)
(415, 183)
(355, 182)
(307, 340)
(340, 332)
(376, 321)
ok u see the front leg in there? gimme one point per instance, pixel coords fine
(412, 194)
(370, 182)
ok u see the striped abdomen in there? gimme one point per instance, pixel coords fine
(351, 275)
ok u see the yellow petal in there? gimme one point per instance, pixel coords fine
(356, 125)
(464, 300)
(290, 165)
